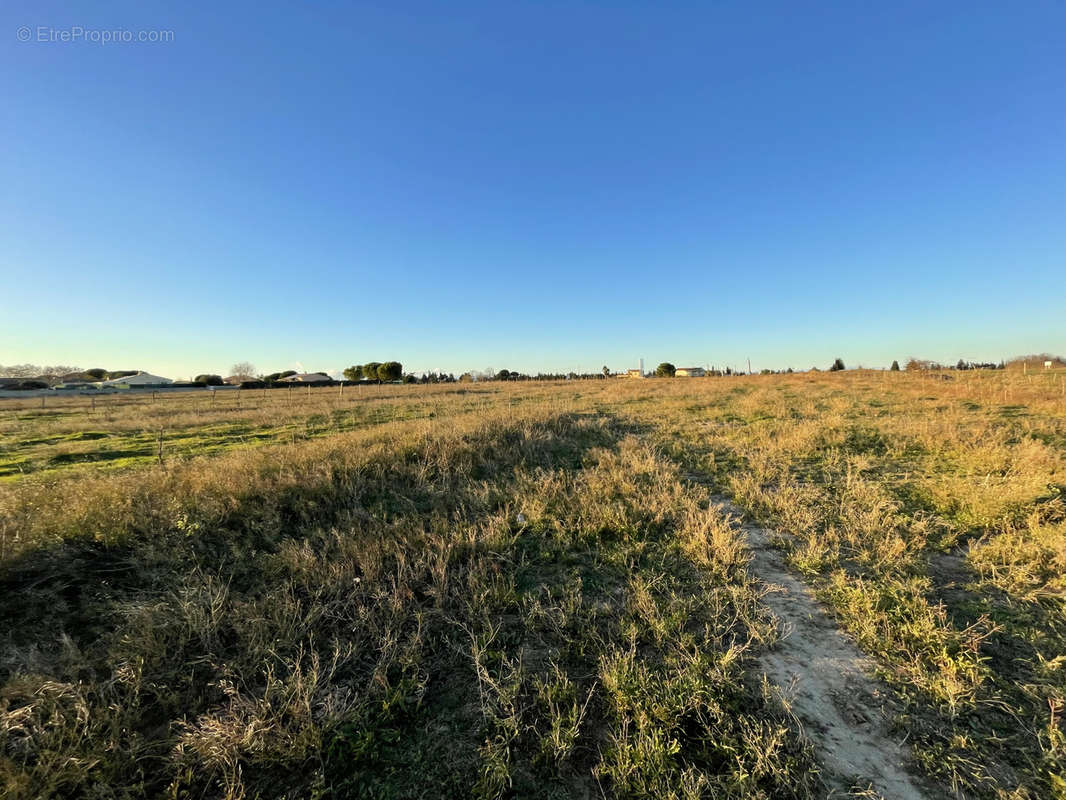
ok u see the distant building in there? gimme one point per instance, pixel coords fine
(690, 372)
(632, 373)
(140, 379)
(306, 377)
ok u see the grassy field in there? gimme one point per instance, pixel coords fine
(526, 590)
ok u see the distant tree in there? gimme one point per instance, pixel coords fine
(370, 370)
(354, 373)
(606, 371)
(19, 371)
(390, 371)
(503, 375)
(97, 373)
(894, 367)
(665, 370)
(208, 380)
(917, 364)
(961, 365)
(243, 371)
(32, 370)
(838, 365)
(789, 370)
(410, 378)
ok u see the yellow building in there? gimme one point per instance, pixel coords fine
(690, 372)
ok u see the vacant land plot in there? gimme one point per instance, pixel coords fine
(536, 590)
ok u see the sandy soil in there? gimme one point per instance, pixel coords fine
(825, 680)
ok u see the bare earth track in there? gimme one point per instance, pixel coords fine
(824, 679)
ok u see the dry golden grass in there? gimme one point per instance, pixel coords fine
(325, 596)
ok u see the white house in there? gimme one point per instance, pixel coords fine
(306, 377)
(140, 379)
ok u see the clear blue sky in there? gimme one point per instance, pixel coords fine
(532, 185)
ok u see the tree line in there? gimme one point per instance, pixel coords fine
(62, 371)
(375, 371)
(244, 373)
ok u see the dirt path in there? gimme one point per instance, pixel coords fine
(823, 678)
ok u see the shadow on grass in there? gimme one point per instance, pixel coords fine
(1025, 633)
(82, 573)
(91, 594)
(62, 459)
